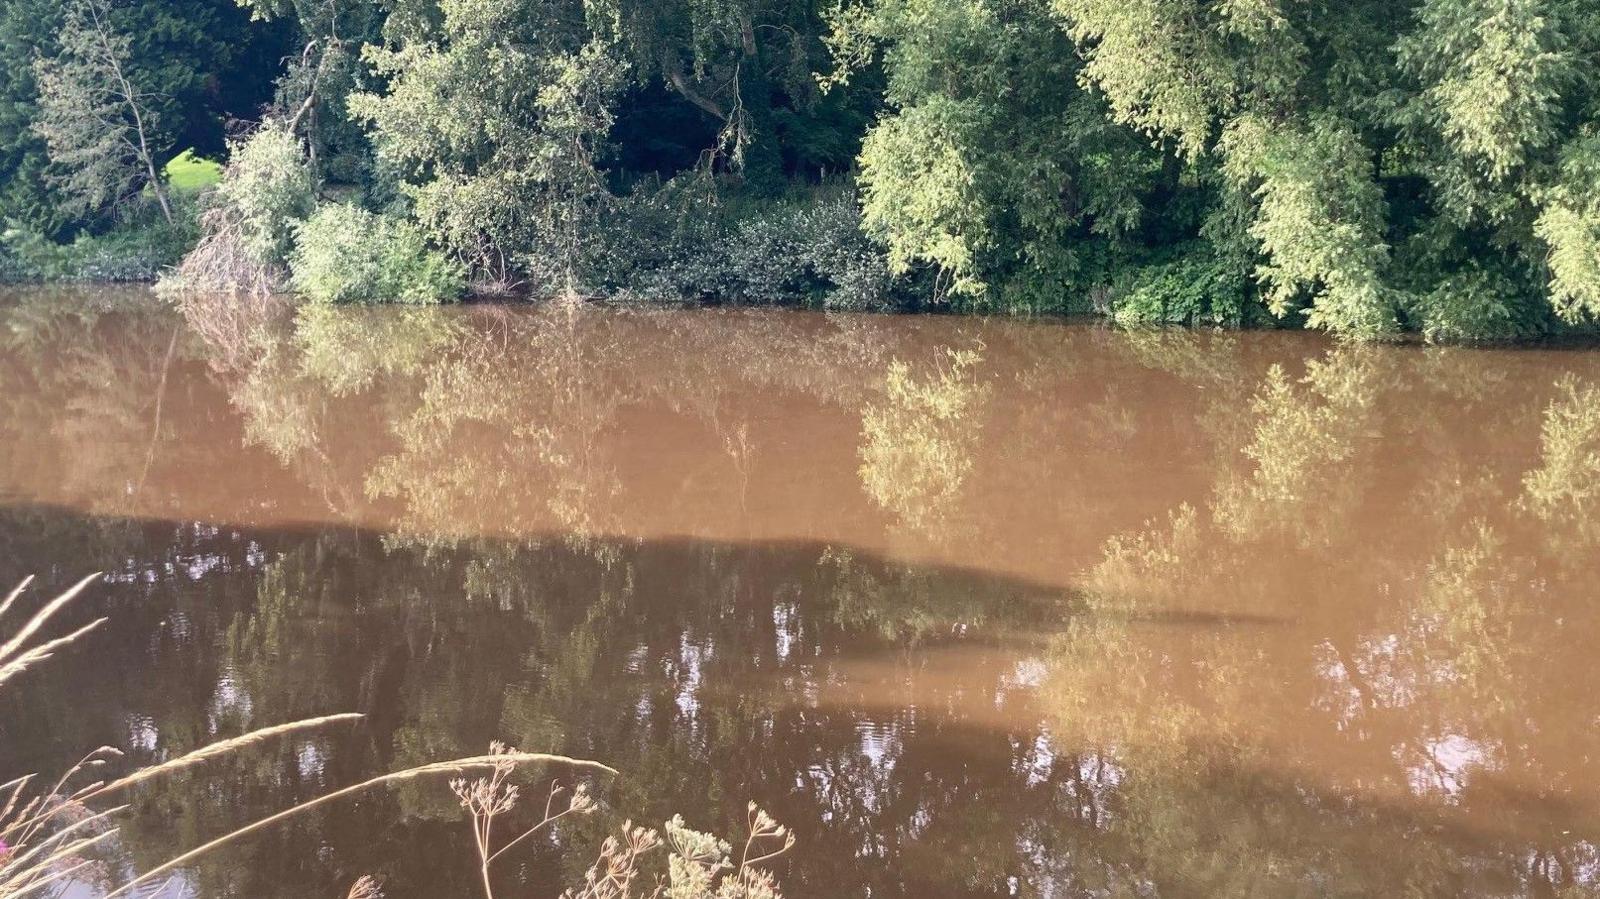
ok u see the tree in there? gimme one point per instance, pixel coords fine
(989, 165)
(98, 123)
(745, 64)
(318, 77)
(494, 117)
(27, 27)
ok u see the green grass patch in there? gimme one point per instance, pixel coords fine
(188, 173)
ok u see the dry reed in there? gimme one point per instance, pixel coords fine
(454, 766)
(223, 261)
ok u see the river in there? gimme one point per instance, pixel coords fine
(977, 607)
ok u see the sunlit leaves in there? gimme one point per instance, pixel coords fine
(495, 122)
(989, 166)
(920, 194)
(1569, 225)
(1158, 61)
(1319, 222)
(1492, 73)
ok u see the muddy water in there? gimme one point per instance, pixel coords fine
(978, 608)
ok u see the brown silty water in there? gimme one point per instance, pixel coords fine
(977, 607)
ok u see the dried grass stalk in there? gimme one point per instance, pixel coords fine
(42, 617)
(223, 261)
(454, 766)
(220, 748)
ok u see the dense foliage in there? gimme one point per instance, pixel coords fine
(345, 254)
(1366, 168)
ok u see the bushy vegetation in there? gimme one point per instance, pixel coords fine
(1367, 169)
(679, 243)
(1190, 290)
(137, 248)
(345, 254)
(247, 229)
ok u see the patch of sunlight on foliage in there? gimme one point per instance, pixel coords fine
(1494, 71)
(189, 173)
(1160, 73)
(917, 443)
(345, 254)
(1569, 224)
(1565, 488)
(916, 198)
(1319, 223)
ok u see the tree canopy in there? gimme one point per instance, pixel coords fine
(1367, 168)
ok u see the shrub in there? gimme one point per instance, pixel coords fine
(811, 250)
(345, 254)
(678, 242)
(137, 248)
(248, 229)
(1477, 304)
(269, 187)
(1195, 289)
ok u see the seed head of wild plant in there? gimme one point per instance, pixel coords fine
(492, 795)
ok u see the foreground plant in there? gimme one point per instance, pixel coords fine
(49, 833)
(699, 865)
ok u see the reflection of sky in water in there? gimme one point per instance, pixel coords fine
(310, 760)
(1445, 764)
(230, 701)
(1025, 676)
(784, 621)
(687, 674)
(142, 734)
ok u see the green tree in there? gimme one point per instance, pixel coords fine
(26, 195)
(988, 165)
(747, 66)
(494, 117)
(99, 124)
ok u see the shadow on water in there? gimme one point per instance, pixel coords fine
(898, 716)
(710, 673)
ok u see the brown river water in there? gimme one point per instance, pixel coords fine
(976, 607)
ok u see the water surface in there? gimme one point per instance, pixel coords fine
(979, 608)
